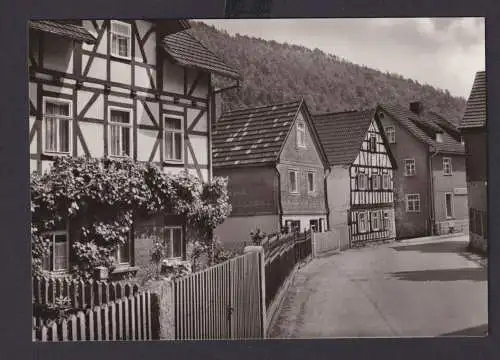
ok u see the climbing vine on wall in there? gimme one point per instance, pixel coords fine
(101, 197)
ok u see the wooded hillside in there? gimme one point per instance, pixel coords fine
(274, 72)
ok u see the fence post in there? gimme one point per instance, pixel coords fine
(162, 310)
(262, 274)
(313, 244)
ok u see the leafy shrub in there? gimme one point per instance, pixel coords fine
(100, 197)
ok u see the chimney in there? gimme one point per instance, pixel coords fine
(416, 107)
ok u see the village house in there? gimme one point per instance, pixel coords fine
(276, 170)
(140, 89)
(430, 184)
(474, 131)
(359, 181)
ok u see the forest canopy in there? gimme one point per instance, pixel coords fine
(274, 72)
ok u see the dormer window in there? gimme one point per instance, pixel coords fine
(439, 138)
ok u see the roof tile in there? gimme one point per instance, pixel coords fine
(342, 134)
(186, 50)
(475, 112)
(252, 135)
(72, 31)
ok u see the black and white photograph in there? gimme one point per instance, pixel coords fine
(234, 179)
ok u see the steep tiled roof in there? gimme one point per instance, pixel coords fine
(475, 112)
(63, 29)
(253, 135)
(444, 123)
(430, 120)
(406, 117)
(342, 134)
(187, 51)
(449, 145)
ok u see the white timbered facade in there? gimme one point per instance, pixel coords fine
(359, 183)
(372, 198)
(114, 88)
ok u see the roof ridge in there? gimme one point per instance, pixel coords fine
(248, 108)
(344, 112)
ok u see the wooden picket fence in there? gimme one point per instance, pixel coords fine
(221, 302)
(83, 294)
(282, 254)
(128, 318)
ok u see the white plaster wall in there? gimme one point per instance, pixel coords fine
(34, 141)
(150, 45)
(172, 170)
(97, 69)
(200, 149)
(201, 125)
(201, 89)
(143, 117)
(58, 89)
(120, 73)
(142, 78)
(33, 166)
(145, 142)
(94, 138)
(46, 165)
(32, 89)
(173, 78)
(96, 110)
(338, 194)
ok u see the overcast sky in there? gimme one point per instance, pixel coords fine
(442, 52)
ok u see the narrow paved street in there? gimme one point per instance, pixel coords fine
(419, 287)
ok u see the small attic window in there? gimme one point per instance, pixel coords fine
(439, 137)
(381, 115)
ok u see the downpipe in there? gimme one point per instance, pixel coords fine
(431, 192)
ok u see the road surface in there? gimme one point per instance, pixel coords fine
(420, 287)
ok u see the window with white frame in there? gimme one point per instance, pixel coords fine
(410, 169)
(57, 125)
(386, 181)
(386, 221)
(293, 181)
(447, 169)
(449, 204)
(362, 181)
(363, 222)
(122, 253)
(119, 132)
(375, 220)
(311, 182)
(390, 132)
(301, 134)
(121, 34)
(373, 143)
(173, 138)
(58, 258)
(173, 241)
(413, 202)
(375, 181)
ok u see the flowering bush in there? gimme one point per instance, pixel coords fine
(101, 196)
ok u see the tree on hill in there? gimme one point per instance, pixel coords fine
(274, 72)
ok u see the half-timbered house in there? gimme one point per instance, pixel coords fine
(474, 131)
(430, 184)
(275, 168)
(359, 184)
(123, 88)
